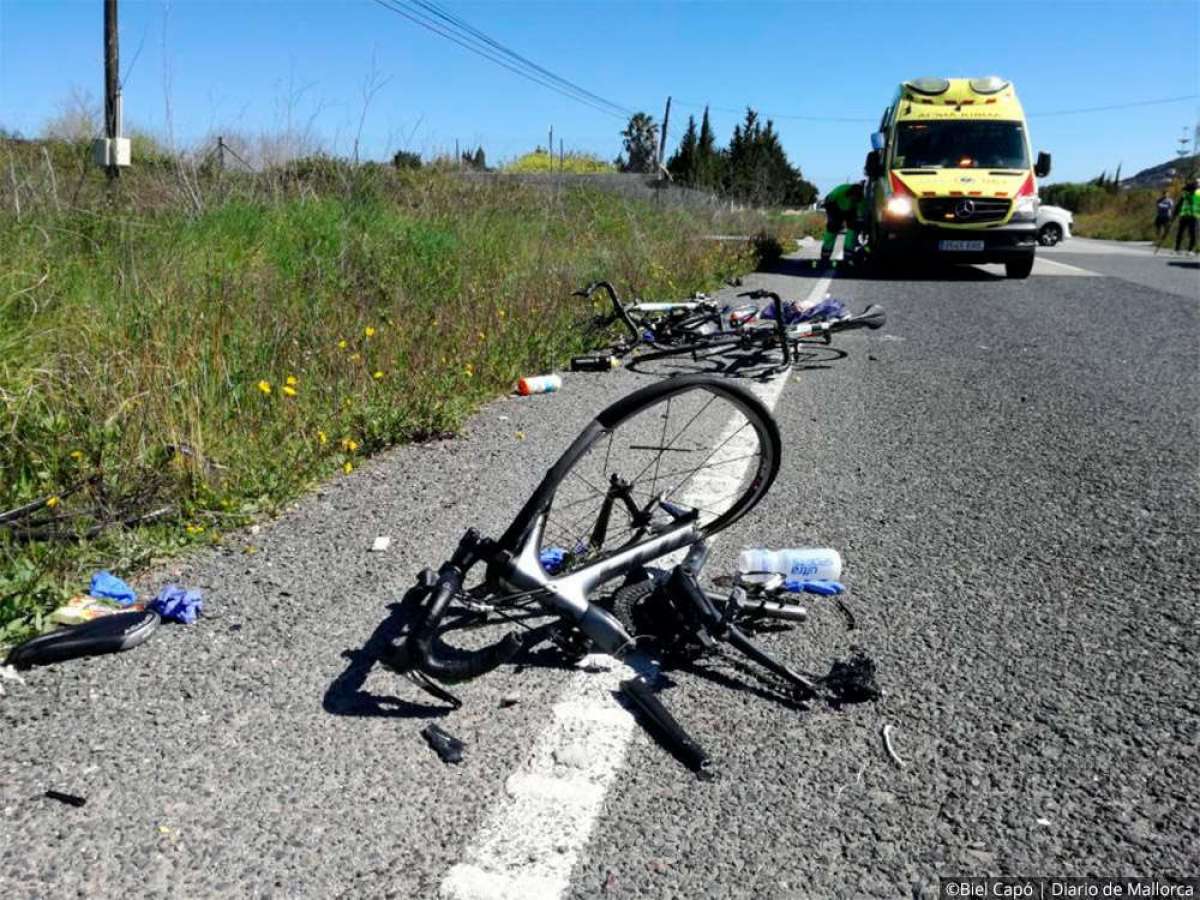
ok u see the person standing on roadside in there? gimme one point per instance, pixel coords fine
(1162, 215)
(1187, 210)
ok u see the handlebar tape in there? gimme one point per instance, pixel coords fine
(427, 652)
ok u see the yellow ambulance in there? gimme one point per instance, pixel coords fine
(950, 176)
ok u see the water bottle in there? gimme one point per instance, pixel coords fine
(806, 563)
(539, 384)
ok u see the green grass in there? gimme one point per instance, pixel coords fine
(139, 336)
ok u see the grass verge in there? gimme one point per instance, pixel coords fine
(197, 348)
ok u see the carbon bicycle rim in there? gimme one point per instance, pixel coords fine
(693, 446)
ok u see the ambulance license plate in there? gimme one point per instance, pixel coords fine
(968, 246)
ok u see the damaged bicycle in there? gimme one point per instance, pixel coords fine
(656, 474)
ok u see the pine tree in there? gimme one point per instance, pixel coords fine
(641, 144)
(709, 160)
(682, 164)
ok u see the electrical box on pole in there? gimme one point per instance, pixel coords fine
(112, 151)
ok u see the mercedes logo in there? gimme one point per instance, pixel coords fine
(964, 209)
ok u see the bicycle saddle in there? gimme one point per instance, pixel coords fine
(110, 634)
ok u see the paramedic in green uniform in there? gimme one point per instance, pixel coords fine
(845, 206)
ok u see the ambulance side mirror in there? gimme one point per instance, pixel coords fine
(874, 166)
(878, 140)
(1042, 169)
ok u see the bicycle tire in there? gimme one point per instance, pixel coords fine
(729, 461)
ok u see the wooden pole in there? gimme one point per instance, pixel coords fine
(662, 143)
(111, 86)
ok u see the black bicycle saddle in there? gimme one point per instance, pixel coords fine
(110, 634)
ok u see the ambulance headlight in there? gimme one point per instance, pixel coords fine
(1025, 209)
(899, 207)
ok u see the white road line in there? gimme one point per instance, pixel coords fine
(528, 843)
(1068, 269)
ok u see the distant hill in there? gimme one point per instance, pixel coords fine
(1164, 173)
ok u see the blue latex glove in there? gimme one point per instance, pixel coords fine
(109, 587)
(177, 604)
(822, 586)
(552, 559)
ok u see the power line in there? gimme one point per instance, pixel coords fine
(1091, 109)
(1057, 112)
(476, 46)
(513, 55)
(805, 118)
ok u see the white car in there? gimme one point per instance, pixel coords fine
(1053, 224)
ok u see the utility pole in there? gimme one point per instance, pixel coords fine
(662, 142)
(220, 153)
(550, 147)
(112, 93)
(1183, 144)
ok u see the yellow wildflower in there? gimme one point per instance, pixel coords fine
(349, 444)
(264, 386)
(322, 438)
(293, 380)
(289, 391)
(342, 344)
(470, 371)
(77, 455)
(369, 331)
(377, 375)
(347, 468)
(52, 502)
(193, 528)
(520, 435)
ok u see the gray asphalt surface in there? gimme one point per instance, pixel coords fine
(1010, 469)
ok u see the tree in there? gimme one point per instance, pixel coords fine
(682, 164)
(406, 160)
(476, 160)
(710, 162)
(641, 144)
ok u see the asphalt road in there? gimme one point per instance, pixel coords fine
(1010, 470)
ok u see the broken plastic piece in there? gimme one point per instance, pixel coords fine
(887, 745)
(381, 543)
(69, 799)
(448, 747)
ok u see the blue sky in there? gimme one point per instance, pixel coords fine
(239, 66)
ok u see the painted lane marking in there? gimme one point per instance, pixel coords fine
(527, 844)
(1067, 267)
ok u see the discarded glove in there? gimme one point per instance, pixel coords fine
(552, 559)
(105, 584)
(448, 747)
(822, 586)
(177, 604)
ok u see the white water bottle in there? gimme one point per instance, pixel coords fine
(803, 562)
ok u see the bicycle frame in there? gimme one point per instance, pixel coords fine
(514, 564)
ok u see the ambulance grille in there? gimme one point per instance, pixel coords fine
(947, 209)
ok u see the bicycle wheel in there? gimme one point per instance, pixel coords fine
(693, 443)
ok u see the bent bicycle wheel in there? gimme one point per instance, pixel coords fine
(692, 446)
